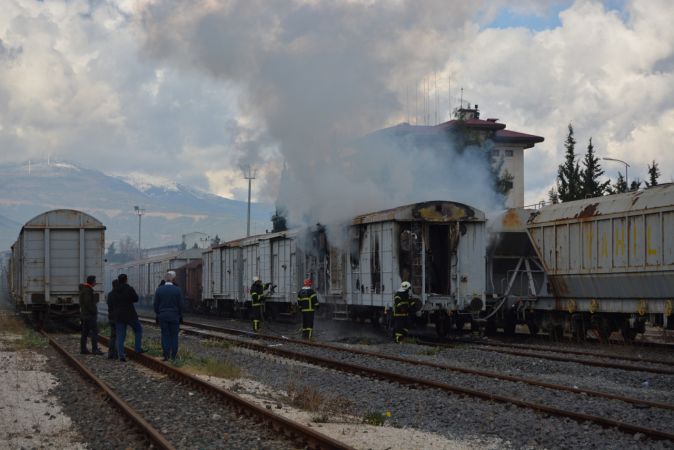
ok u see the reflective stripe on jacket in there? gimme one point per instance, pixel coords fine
(307, 299)
(256, 296)
(401, 303)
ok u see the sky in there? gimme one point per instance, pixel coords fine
(195, 91)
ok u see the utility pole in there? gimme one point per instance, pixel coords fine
(248, 174)
(139, 212)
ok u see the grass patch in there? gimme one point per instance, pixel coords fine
(150, 345)
(209, 366)
(309, 399)
(215, 343)
(20, 336)
(376, 418)
(431, 351)
(305, 397)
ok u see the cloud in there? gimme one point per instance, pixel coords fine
(193, 91)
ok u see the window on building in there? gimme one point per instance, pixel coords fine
(509, 153)
(495, 153)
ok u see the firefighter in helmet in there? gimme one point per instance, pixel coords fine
(256, 302)
(401, 310)
(308, 302)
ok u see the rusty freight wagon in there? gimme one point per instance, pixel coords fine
(53, 254)
(609, 260)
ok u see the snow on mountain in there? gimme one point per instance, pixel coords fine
(144, 182)
(171, 209)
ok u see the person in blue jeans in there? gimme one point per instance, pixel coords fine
(125, 315)
(168, 306)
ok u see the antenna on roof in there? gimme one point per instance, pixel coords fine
(449, 95)
(416, 104)
(435, 75)
(461, 101)
(407, 103)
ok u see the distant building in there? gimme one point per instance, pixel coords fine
(467, 129)
(196, 239)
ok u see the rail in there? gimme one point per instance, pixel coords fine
(157, 439)
(407, 380)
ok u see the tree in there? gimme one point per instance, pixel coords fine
(569, 183)
(619, 186)
(215, 241)
(553, 196)
(128, 249)
(635, 185)
(591, 186)
(653, 174)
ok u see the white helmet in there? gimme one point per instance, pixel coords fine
(256, 279)
(405, 285)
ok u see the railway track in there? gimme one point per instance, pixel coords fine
(518, 350)
(253, 422)
(153, 435)
(365, 369)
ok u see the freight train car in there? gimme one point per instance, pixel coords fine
(609, 261)
(53, 254)
(146, 274)
(356, 268)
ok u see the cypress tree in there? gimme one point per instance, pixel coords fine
(592, 187)
(620, 185)
(653, 174)
(568, 176)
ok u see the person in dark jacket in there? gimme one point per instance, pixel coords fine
(168, 306)
(125, 314)
(308, 302)
(110, 300)
(89, 316)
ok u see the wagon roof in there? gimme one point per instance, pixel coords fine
(64, 218)
(660, 196)
(432, 211)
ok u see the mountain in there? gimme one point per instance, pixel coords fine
(171, 209)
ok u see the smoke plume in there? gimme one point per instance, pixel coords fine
(318, 76)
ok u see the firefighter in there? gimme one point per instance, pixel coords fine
(401, 308)
(308, 302)
(256, 302)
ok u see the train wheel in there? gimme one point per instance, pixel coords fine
(628, 332)
(490, 328)
(442, 326)
(556, 333)
(533, 328)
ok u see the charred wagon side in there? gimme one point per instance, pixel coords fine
(53, 254)
(609, 260)
(438, 246)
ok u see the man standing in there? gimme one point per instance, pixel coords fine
(89, 316)
(308, 301)
(125, 314)
(401, 306)
(256, 302)
(168, 306)
(110, 300)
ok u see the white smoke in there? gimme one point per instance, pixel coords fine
(317, 76)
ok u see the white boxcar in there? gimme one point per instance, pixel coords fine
(145, 275)
(53, 255)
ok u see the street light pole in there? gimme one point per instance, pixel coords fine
(626, 166)
(248, 174)
(139, 212)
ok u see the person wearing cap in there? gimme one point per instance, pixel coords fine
(308, 302)
(89, 316)
(256, 302)
(125, 314)
(401, 308)
(168, 307)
